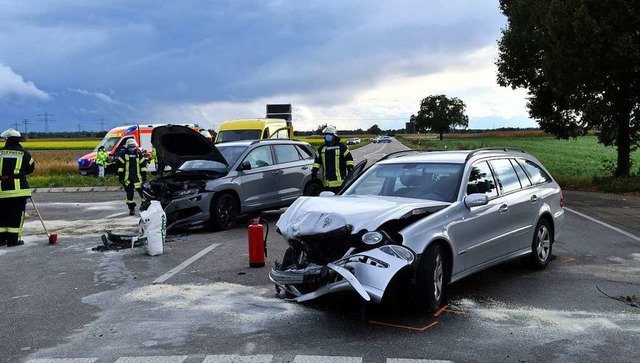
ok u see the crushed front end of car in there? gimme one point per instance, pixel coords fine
(343, 244)
(185, 202)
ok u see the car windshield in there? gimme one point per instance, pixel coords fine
(202, 165)
(432, 181)
(108, 143)
(237, 135)
(231, 153)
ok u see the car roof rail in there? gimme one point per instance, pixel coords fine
(488, 149)
(400, 153)
(272, 140)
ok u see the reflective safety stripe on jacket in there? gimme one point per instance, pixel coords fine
(15, 164)
(334, 161)
(101, 158)
(132, 167)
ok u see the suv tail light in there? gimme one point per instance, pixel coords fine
(561, 201)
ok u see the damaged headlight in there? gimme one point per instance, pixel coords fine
(399, 252)
(186, 192)
(372, 238)
(375, 238)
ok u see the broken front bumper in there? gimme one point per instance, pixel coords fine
(367, 273)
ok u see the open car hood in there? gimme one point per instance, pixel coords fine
(176, 144)
(309, 216)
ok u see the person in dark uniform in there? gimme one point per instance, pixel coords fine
(15, 164)
(335, 160)
(132, 172)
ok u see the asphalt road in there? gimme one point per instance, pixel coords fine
(71, 303)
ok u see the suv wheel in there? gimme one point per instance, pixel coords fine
(541, 246)
(431, 277)
(312, 189)
(224, 211)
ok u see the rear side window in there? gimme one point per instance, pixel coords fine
(307, 152)
(286, 153)
(481, 180)
(524, 179)
(536, 173)
(506, 175)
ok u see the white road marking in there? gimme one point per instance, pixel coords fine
(325, 359)
(402, 360)
(186, 263)
(116, 215)
(154, 359)
(235, 358)
(63, 360)
(632, 236)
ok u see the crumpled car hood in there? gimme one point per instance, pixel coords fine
(309, 216)
(176, 144)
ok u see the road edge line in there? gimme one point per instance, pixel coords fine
(630, 235)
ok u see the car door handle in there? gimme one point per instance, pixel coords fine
(305, 167)
(277, 172)
(504, 208)
(533, 199)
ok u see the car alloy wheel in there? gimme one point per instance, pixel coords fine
(437, 278)
(541, 246)
(224, 211)
(431, 277)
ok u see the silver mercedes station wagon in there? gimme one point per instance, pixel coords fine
(431, 218)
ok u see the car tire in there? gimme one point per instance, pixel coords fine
(224, 211)
(312, 189)
(431, 277)
(541, 246)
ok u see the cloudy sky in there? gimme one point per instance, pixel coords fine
(96, 64)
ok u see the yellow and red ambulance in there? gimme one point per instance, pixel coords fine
(114, 142)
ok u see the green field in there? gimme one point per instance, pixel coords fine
(61, 144)
(582, 163)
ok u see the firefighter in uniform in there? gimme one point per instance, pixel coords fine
(132, 172)
(335, 160)
(15, 164)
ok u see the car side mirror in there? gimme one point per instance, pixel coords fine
(475, 200)
(246, 165)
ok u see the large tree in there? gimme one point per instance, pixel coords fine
(440, 113)
(580, 62)
(375, 129)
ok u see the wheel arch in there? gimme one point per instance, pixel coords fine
(312, 182)
(549, 219)
(232, 192)
(447, 253)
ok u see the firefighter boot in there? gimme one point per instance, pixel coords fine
(132, 209)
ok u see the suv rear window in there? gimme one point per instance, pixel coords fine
(286, 153)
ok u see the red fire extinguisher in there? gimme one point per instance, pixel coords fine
(257, 244)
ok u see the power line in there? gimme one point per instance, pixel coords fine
(47, 118)
(25, 122)
(102, 120)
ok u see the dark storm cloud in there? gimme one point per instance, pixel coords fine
(141, 52)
